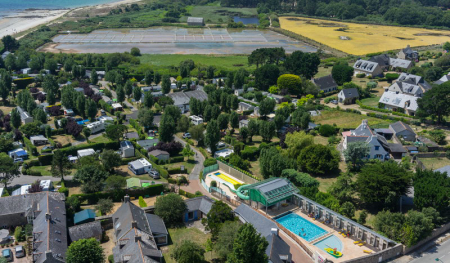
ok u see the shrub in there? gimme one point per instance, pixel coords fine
(64, 190)
(19, 235)
(391, 76)
(182, 180)
(177, 159)
(209, 162)
(213, 184)
(360, 75)
(250, 153)
(142, 203)
(111, 258)
(327, 130)
(30, 147)
(171, 181)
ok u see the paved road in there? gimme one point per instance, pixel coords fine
(198, 157)
(441, 251)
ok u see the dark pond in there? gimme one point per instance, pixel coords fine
(246, 20)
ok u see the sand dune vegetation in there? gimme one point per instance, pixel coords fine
(360, 39)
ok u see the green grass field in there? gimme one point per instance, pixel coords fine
(232, 62)
(372, 102)
(216, 14)
(435, 163)
(348, 120)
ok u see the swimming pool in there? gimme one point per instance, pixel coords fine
(330, 242)
(226, 178)
(301, 227)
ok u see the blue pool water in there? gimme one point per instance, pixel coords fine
(331, 241)
(296, 223)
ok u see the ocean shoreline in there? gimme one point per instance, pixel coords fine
(16, 21)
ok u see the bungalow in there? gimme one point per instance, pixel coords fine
(160, 155)
(195, 21)
(85, 231)
(368, 68)
(126, 149)
(147, 144)
(403, 130)
(326, 84)
(197, 208)
(96, 126)
(85, 152)
(278, 98)
(24, 116)
(117, 107)
(196, 120)
(409, 54)
(243, 123)
(37, 140)
(243, 106)
(140, 166)
(348, 96)
(18, 153)
(68, 112)
(85, 216)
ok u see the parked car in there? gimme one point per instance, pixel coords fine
(20, 252)
(153, 173)
(7, 253)
(187, 135)
(334, 102)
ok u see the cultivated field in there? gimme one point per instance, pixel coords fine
(364, 38)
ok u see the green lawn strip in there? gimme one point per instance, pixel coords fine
(177, 235)
(372, 102)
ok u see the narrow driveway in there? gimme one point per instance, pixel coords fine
(199, 159)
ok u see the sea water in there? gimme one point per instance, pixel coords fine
(12, 6)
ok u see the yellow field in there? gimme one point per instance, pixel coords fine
(363, 38)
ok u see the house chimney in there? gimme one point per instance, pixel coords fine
(133, 224)
(137, 238)
(126, 199)
(274, 231)
(48, 255)
(48, 217)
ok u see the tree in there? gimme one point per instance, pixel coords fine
(94, 77)
(128, 89)
(296, 142)
(135, 52)
(266, 76)
(115, 183)
(187, 252)
(446, 46)
(348, 209)
(8, 169)
(219, 214)
(73, 128)
(197, 134)
(15, 118)
(187, 151)
(431, 189)
(327, 130)
(362, 217)
(148, 100)
(355, 153)
(435, 103)
(110, 159)
(266, 106)
(86, 133)
(166, 128)
(105, 206)
(300, 179)
(60, 164)
(115, 132)
(291, 83)
(234, 120)
(249, 246)
(212, 136)
(50, 64)
(165, 85)
(225, 238)
(267, 130)
(92, 178)
(145, 117)
(239, 78)
(74, 203)
(120, 94)
(210, 72)
(10, 43)
(183, 124)
(137, 93)
(253, 128)
(85, 251)
(243, 133)
(222, 121)
(35, 187)
(342, 72)
(318, 159)
(170, 208)
(375, 182)
(343, 188)
(148, 77)
(303, 64)
(91, 109)
(157, 77)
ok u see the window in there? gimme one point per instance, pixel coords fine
(379, 156)
(377, 148)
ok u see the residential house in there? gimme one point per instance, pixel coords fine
(403, 130)
(368, 68)
(442, 80)
(85, 216)
(18, 153)
(140, 166)
(409, 54)
(326, 84)
(243, 123)
(86, 231)
(378, 146)
(195, 21)
(132, 135)
(278, 250)
(117, 107)
(158, 228)
(147, 144)
(382, 60)
(85, 152)
(133, 232)
(37, 140)
(24, 116)
(243, 106)
(256, 111)
(400, 64)
(160, 155)
(348, 96)
(196, 120)
(181, 99)
(96, 126)
(197, 208)
(126, 149)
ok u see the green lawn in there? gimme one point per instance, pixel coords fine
(323, 72)
(435, 163)
(189, 165)
(232, 62)
(45, 170)
(372, 102)
(177, 235)
(216, 14)
(348, 120)
(100, 139)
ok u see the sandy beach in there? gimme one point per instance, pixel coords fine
(28, 19)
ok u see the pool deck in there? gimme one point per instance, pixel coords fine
(227, 190)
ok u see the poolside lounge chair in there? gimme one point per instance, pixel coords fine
(361, 244)
(367, 251)
(356, 242)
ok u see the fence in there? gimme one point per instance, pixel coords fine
(222, 196)
(210, 169)
(235, 173)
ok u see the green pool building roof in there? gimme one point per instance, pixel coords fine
(133, 182)
(272, 190)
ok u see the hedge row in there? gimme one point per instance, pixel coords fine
(176, 159)
(387, 117)
(138, 128)
(177, 171)
(187, 194)
(117, 196)
(106, 106)
(30, 147)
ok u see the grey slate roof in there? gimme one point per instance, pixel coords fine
(262, 224)
(130, 135)
(85, 231)
(146, 144)
(198, 94)
(442, 80)
(396, 148)
(356, 138)
(401, 126)
(202, 203)
(363, 129)
(51, 230)
(276, 248)
(156, 153)
(125, 216)
(382, 60)
(157, 224)
(183, 98)
(365, 65)
(445, 169)
(350, 93)
(325, 83)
